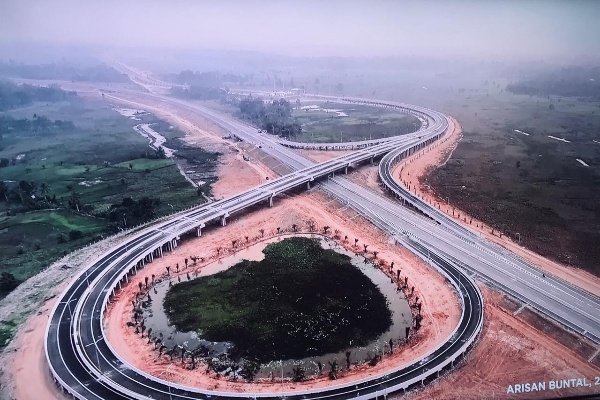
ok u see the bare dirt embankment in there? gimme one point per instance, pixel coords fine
(510, 352)
(414, 172)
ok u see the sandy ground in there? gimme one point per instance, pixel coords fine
(510, 352)
(440, 311)
(322, 155)
(413, 172)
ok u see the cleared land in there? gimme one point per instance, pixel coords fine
(531, 187)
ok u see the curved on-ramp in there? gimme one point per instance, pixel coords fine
(84, 364)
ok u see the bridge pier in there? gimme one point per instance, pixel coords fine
(223, 220)
(198, 232)
(308, 185)
(271, 200)
(371, 160)
(346, 170)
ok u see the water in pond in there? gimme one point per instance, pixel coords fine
(401, 316)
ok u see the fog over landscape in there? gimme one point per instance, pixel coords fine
(495, 30)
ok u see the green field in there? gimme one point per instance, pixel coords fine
(100, 162)
(361, 123)
(300, 301)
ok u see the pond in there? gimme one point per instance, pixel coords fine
(157, 319)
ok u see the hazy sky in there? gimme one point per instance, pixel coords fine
(489, 29)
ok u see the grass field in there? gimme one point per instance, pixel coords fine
(103, 160)
(352, 122)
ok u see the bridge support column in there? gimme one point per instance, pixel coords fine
(271, 201)
(127, 278)
(346, 170)
(371, 160)
(223, 220)
(198, 232)
(307, 185)
(120, 285)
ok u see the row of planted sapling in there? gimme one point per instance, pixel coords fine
(223, 366)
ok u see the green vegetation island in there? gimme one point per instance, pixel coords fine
(300, 301)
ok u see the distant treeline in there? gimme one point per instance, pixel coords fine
(275, 118)
(64, 71)
(9, 124)
(572, 81)
(199, 93)
(208, 79)
(12, 95)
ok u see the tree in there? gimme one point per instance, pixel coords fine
(299, 374)
(75, 234)
(325, 229)
(262, 232)
(551, 107)
(75, 201)
(8, 282)
(294, 228)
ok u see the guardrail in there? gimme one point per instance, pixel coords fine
(180, 228)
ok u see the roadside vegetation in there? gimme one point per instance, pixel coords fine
(300, 301)
(274, 117)
(73, 171)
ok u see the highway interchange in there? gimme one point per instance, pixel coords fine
(84, 364)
